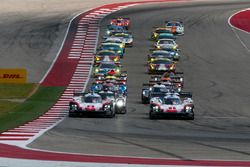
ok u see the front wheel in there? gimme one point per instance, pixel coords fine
(152, 115)
(110, 114)
(190, 116)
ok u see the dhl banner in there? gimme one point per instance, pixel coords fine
(13, 75)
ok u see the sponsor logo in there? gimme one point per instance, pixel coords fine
(13, 75)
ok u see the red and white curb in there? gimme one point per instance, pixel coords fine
(240, 20)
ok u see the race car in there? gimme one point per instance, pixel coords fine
(121, 21)
(126, 38)
(161, 65)
(161, 53)
(157, 31)
(113, 39)
(107, 68)
(117, 48)
(90, 103)
(118, 79)
(112, 29)
(106, 55)
(166, 44)
(172, 105)
(176, 26)
(173, 77)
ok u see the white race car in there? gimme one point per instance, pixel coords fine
(176, 26)
(117, 40)
(127, 38)
(166, 44)
(172, 105)
(90, 103)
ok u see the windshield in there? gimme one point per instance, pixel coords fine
(107, 95)
(166, 42)
(92, 99)
(104, 65)
(171, 24)
(162, 62)
(163, 31)
(106, 54)
(172, 101)
(160, 53)
(159, 89)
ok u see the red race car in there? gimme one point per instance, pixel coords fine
(121, 21)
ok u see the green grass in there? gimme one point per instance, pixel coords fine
(16, 91)
(33, 107)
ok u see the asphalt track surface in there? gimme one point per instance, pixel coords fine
(216, 69)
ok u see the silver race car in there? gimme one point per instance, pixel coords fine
(176, 26)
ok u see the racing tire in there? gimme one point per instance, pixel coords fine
(110, 114)
(190, 117)
(71, 114)
(152, 116)
(124, 111)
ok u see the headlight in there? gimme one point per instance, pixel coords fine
(145, 93)
(116, 59)
(188, 108)
(118, 70)
(96, 70)
(73, 107)
(152, 66)
(181, 79)
(152, 59)
(156, 108)
(179, 89)
(119, 51)
(158, 46)
(172, 67)
(97, 58)
(107, 107)
(108, 32)
(120, 103)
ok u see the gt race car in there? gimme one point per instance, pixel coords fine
(159, 30)
(107, 68)
(112, 29)
(126, 38)
(161, 65)
(106, 55)
(117, 48)
(121, 21)
(166, 44)
(176, 26)
(163, 53)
